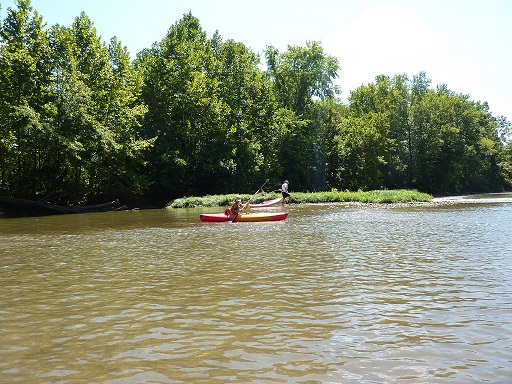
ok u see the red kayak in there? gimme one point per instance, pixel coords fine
(243, 217)
(268, 203)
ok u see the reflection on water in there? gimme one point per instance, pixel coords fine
(333, 294)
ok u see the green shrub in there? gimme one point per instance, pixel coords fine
(334, 196)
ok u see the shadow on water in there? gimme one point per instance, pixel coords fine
(101, 221)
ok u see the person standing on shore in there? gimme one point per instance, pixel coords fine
(284, 192)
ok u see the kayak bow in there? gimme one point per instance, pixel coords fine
(268, 203)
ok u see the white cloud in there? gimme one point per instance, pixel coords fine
(385, 39)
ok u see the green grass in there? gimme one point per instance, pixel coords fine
(334, 196)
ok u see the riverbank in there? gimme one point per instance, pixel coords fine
(486, 198)
(400, 196)
(502, 197)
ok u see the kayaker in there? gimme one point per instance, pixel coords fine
(284, 191)
(237, 205)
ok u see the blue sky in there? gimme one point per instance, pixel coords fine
(465, 44)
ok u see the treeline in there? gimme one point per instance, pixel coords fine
(194, 115)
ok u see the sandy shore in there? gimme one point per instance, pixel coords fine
(505, 197)
(488, 198)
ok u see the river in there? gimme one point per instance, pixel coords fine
(337, 293)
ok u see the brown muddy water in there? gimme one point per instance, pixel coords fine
(334, 294)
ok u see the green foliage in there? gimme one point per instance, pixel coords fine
(454, 144)
(432, 140)
(303, 84)
(194, 115)
(373, 196)
(25, 76)
(334, 196)
(69, 111)
(359, 152)
(213, 110)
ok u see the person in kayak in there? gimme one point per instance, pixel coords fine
(284, 191)
(237, 205)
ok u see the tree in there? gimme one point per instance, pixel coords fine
(25, 75)
(325, 118)
(184, 113)
(252, 135)
(69, 111)
(504, 130)
(213, 110)
(359, 152)
(437, 141)
(391, 97)
(97, 113)
(455, 146)
(196, 115)
(302, 76)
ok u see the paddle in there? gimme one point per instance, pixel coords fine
(246, 204)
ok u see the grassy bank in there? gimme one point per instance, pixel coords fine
(378, 196)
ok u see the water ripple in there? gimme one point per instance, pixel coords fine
(333, 294)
